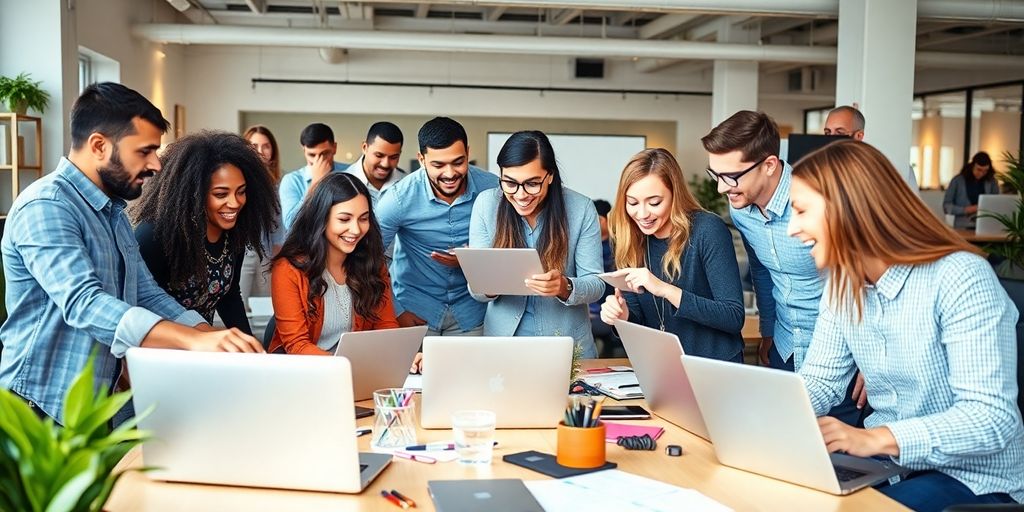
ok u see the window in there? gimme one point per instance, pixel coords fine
(85, 73)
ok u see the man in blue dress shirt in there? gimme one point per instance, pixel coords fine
(426, 215)
(76, 282)
(319, 148)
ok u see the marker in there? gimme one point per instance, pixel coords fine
(402, 497)
(418, 458)
(397, 502)
(362, 431)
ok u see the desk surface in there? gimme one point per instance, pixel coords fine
(697, 469)
(972, 237)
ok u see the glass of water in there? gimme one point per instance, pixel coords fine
(474, 436)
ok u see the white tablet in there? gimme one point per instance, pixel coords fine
(616, 281)
(499, 271)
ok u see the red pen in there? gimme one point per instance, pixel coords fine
(397, 502)
(403, 497)
(418, 458)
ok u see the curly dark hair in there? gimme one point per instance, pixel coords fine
(306, 246)
(174, 201)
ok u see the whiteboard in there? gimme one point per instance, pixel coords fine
(589, 164)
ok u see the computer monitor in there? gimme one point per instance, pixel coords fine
(802, 144)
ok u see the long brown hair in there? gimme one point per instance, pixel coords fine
(274, 165)
(871, 213)
(626, 237)
(520, 149)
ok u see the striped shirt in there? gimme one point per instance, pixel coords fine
(937, 347)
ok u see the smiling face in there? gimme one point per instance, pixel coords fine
(446, 169)
(980, 170)
(224, 200)
(347, 224)
(808, 222)
(380, 158)
(529, 186)
(649, 204)
(754, 187)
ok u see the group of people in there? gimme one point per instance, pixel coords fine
(861, 289)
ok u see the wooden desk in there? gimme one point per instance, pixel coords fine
(972, 237)
(697, 469)
(752, 330)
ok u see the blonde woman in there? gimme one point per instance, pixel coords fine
(923, 316)
(678, 259)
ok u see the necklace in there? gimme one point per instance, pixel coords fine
(658, 309)
(223, 252)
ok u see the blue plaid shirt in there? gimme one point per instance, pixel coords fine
(786, 282)
(75, 281)
(423, 223)
(937, 348)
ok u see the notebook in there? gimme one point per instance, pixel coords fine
(618, 385)
(613, 431)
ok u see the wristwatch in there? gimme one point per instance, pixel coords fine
(568, 285)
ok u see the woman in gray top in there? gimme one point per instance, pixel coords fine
(976, 178)
(678, 259)
(532, 209)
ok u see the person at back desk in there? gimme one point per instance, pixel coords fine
(923, 316)
(961, 199)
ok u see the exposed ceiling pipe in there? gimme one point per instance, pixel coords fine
(953, 10)
(530, 45)
(413, 41)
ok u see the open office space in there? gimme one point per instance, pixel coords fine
(511, 255)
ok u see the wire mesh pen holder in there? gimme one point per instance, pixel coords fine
(394, 425)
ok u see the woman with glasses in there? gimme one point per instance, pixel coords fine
(923, 316)
(533, 209)
(670, 251)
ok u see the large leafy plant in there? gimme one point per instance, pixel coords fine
(21, 92)
(1013, 249)
(45, 467)
(705, 191)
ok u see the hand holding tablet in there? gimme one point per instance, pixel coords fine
(493, 271)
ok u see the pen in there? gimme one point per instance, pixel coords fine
(404, 498)
(398, 503)
(433, 447)
(418, 458)
(362, 431)
(628, 386)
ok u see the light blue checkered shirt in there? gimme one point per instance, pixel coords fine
(75, 282)
(786, 282)
(938, 349)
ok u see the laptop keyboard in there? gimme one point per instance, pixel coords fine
(846, 474)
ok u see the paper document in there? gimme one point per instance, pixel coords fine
(618, 491)
(618, 385)
(414, 381)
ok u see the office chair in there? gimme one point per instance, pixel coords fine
(268, 334)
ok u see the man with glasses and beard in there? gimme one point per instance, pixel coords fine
(75, 280)
(743, 158)
(429, 213)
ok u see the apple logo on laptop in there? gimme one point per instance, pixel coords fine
(496, 383)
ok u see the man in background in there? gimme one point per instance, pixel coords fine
(378, 167)
(319, 148)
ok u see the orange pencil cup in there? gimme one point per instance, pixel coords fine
(581, 447)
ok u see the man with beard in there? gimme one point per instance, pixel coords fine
(429, 213)
(75, 280)
(378, 167)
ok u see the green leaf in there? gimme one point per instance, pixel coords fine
(80, 396)
(81, 471)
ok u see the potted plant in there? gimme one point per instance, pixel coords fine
(21, 93)
(1013, 250)
(44, 466)
(705, 191)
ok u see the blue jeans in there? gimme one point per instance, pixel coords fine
(450, 327)
(928, 491)
(846, 412)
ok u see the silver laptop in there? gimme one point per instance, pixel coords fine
(760, 420)
(380, 359)
(524, 380)
(1002, 204)
(654, 355)
(504, 495)
(256, 420)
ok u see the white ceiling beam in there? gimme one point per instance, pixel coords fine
(493, 13)
(422, 10)
(665, 25)
(772, 26)
(938, 41)
(680, 66)
(625, 18)
(257, 6)
(565, 16)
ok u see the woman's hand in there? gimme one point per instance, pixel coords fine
(614, 308)
(642, 280)
(549, 284)
(417, 363)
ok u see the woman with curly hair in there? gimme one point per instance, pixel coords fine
(331, 276)
(212, 200)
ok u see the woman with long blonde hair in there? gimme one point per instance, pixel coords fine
(922, 315)
(677, 259)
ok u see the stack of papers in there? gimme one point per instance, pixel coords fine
(617, 384)
(617, 491)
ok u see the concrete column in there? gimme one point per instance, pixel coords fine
(40, 38)
(876, 71)
(734, 83)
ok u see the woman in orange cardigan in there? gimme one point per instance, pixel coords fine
(330, 276)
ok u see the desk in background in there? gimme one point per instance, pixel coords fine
(697, 469)
(974, 238)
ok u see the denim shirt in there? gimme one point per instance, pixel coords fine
(293, 189)
(527, 315)
(419, 223)
(786, 282)
(75, 282)
(937, 349)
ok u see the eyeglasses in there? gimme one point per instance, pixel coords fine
(531, 187)
(732, 179)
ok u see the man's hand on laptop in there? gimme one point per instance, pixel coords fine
(227, 340)
(859, 442)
